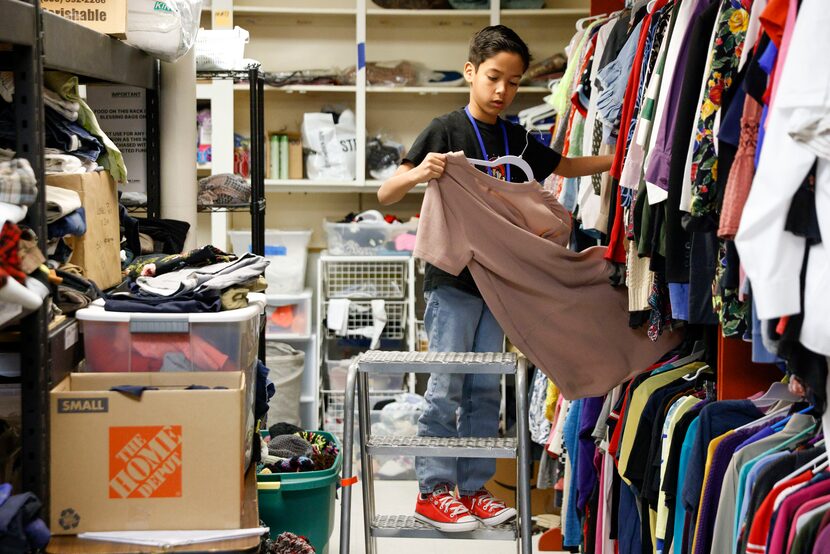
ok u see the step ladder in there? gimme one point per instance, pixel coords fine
(406, 526)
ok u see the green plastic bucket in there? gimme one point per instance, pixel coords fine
(302, 503)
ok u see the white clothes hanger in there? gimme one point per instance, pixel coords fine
(769, 417)
(501, 160)
(517, 161)
(820, 462)
(693, 376)
(777, 392)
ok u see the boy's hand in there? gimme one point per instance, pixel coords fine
(432, 167)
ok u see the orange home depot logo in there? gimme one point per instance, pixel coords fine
(146, 462)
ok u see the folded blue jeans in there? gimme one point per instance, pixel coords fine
(459, 405)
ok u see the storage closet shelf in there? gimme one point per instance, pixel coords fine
(17, 23)
(441, 90)
(225, 208)
(547, 12)
(235, 74)
(410, 528)
(302, 89)
(73, 48)
(275, 10)
(428, 13)
(136, 209)
(307, 185)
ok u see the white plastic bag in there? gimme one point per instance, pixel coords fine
(325, 158)
(347, 138)
(221, 49)
(164, 28)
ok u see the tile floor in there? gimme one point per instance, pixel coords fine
(398, 497)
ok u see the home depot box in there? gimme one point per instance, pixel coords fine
(105, 16)
(169, 459)
(99, 250)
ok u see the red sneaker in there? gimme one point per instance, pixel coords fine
(443, 511)
(487, 508)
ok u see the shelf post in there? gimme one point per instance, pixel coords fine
(360, 98)
(34, 354)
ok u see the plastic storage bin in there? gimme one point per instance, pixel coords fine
(286, 250)
(338, 370)
(288, 316)
(369, 238)
(302, 503)
(218, 50)
(130, 341)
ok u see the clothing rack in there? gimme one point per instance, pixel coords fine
(39, 41)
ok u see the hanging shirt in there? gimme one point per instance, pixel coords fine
(772, 256)
(513, 238)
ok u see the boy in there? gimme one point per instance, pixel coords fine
(456, 318)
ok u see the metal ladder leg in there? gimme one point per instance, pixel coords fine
(368, 486)
(348, 441)
(523, 458)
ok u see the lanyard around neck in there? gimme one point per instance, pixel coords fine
(481, 141)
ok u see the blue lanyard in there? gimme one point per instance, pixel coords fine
(481, 141)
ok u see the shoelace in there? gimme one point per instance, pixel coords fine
(489, 502)
(450, 504)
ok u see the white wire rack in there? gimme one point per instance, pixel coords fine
(366, 279)
(361, 318)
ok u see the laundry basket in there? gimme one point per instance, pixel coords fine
(285, 364)
(302, 503)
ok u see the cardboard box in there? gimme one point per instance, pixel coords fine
(503, 487)
(295, 157)
(172, 459)
(98, 251)
(105, 16)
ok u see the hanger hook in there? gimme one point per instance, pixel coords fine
(527, 139)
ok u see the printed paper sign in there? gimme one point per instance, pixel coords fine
(146, 462)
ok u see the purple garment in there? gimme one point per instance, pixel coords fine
(822, 542)
(711, 490)
(586, 472)
(660, 157)
(780, 532)
(760, 434)
(715, 419)
(767, 63)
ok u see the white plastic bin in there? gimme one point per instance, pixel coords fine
(218, 50)
(288, 316)
(368, 238)
(338, 370)
(136, 342)
(288, 253)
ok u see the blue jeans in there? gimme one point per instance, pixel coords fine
(459, 405)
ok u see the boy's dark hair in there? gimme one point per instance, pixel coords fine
(496, 39)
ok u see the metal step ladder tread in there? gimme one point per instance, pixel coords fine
(386, 526)
(377, 361)
(455, 447)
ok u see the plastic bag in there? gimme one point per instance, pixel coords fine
(383, 156)
(324, 158)
(347, 138)
(164, 28)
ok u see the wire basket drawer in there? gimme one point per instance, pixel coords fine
(366, 279)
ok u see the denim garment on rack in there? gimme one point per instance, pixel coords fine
(70, 137)
(72, 224)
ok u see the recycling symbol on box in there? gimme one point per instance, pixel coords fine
(69, 519)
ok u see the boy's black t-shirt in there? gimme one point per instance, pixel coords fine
(453, 132)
